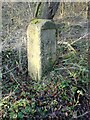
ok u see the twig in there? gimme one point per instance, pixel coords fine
(79, 39)
(9, 70)
(81, 115)
(69, 45)
(11, 74)
(20, 59)
(10, 60)
(10, 94)
(64, 68)
(66, 43)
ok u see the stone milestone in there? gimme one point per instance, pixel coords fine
(41, 47)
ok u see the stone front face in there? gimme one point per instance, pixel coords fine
(33, 50)
(41, 47)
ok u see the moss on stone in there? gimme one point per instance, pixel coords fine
(35, 21)
(46, 24)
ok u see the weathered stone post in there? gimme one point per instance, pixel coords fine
(41, 47)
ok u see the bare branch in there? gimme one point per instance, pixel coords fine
(88, 112)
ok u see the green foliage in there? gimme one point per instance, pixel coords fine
(15, 110)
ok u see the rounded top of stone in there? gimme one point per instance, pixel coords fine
(43, 23)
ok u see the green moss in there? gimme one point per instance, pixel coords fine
(35, 21)
(46, 24)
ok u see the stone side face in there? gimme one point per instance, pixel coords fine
(41, 47)
(48, 48)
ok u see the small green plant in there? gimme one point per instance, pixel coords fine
(15, 110)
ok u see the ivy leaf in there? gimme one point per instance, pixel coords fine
(20, 115)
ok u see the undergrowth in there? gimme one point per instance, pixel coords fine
(57, 96)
